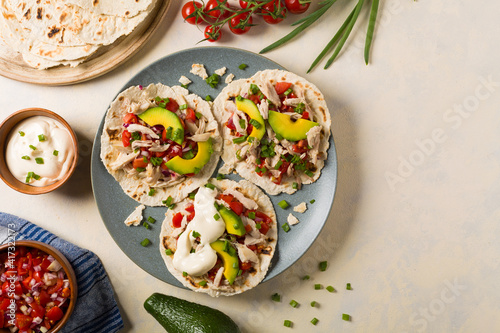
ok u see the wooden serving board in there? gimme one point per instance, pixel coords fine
(106, 58)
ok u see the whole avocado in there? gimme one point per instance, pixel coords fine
(180, 316)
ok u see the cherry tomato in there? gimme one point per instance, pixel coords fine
(271, 12)
(212, 34)
(188, 9)
(245, 4)
(55, 313)
(238, 19)
(217, 14)
(297, 6)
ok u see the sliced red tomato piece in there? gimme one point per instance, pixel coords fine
(4, 303)
(55, 287)
(38, 310)
(230, 124)
(190, 115)
(190, 217)
(130, 118)
(177, 220)
(300, 147)
(139, 163)
(237, 207)
(190, 208)
(38, 276)
(245, 266)
(45, 264)
(55, 313)
(2, 318)
(248, 228)
(172, 105)
(264, 228)
(26, 282)
(254, 98)
(44, 298)
(281, 87)
(23, 321)
(126, 138)
(228, 198)
(305, 115)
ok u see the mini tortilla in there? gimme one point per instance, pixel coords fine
(319, 113)
(130, 180)
(248, 280)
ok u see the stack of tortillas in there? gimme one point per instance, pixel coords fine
(49, 33)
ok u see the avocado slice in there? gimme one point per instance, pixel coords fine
(161, 116)
(234, 225)
(249, 107)
(229, 258)
(194, 165)
(291, 130)
(180, 316)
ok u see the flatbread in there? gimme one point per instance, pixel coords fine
(249, 279)
(124, 8)
(135, 184)
(315, 104)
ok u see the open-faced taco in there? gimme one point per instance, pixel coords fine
(221, 239)
(160, 142)
(275, 127)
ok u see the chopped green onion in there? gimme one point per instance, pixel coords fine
(258, 226)
(226, 246)
(220, 176)
(314, 321)
(168, 252)
(254, 89)
(169, 200)
(285, 227)
(213, 80)
(39, 160)
(210, 186)
(313, 304)
(300, 108)
(41, 137)
(156, 161)
(140, 169)
(243, 123)
(145, 242)
(309, 173)
(294, 303)
(172, 206)
(188, 155)
(250, 139)
(191, 195)
(279, 137)
(216, 217)
(295, 185)
(240, 272)
(26, 157)
(322, 265)
(145, 159)
(37, 177)
(198, 115)
(208, 98)
(136, 136)
(346, 317)
(307, 277)
(239, 98)
(283, 204)
(348, 286)
(276, 297)
(195, 234)
(170, 129)
(242, 66)
(235, 265)
(251, 215)
(183, 107)
(151, 220)
(146, 225)
(21, 133)
(185, 86)
(241, 139)
(55, 153)
(184, 274)
(318, 286)
(277, 166)
(287, 323)
(312, 201)
(255, 123)
(32, 147)
(202, 283)
(177, 134)
(330, 289)
(288, 91)
(151, 192)
(216, 205)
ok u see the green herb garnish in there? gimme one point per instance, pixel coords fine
(26, 157)
(255, 123)
(145, 242)
(285, 227)
(184, 274)
(288, 91)
(287, 323)
(195, 234)
(294, 303)
(168, 252)
(330, 289)
(169, 201)
(295, 185)
(254, 89)
(208, 98)
(312, 201)
(32, 147)
(251, 215)
(156, 161)
(21, 133)
(216, 217)
(55, 153)
(346, 317)
(220, 176)
(140, 169)
(348, 286)
(151, 220)
(243, 123)
(283, 204)
(151, 192)
(241, 139)
(313, 304)
(39, 160)
(242, 66)
(276, 297)
(306, 277)
(146, 225)
(210, 186)
(318, 286)
(213, 80)
(202, 283)
(314, 321)
(322, 265)
(183, 107)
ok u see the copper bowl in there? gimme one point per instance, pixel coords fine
(70, 273)
(6, 127)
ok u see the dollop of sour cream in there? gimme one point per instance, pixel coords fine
(39, 151)
(209, 229)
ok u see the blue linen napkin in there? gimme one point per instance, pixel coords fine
(96, 310)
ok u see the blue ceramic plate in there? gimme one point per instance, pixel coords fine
(114, 205)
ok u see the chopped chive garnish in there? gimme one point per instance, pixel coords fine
(226, 246)
(140, 169)
(151, 220)
(307, 277)
(145, 242)
(309, 173)
(168, 252)
(288, 91)
(32, 147)
(170, 129)
(314, 321)
(330, 289)
(210, 186)
(348, 286)
(191, 195)
(145, 159)
(213, 80)
(169, 200)
(41, 137)
(241, 139)
(285, 227)
(208, 98)
(277, 166)
(240, 272)
(295, 185)
(26, 157)
(220, 176)
(283, 204)
(216, 217)
(294, 303)
(313, 304)
(195, 234)
(172, 206)
(276, 297)
(151, 192)
(177, 134)
(217, 206)
(242, 66)
(55, 153)
(183, 107)
(185, 86)
(243, 123)
(287, 323)
(317, 286)
(184, 274)
(37, 177)
(346, 317)
(323, 265)
(251, 215)
(146, 225)
(279, 136)
(312, 201)
(250, 139)
(254, 89)
(198, 115)
(202, 283)
(255, 123)
(258, 226)
(39, 160)
(21, 133)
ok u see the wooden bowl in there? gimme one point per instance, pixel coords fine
(6, 127)
(70, 273)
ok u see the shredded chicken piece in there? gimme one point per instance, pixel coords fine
(158, 148)
(300, 208)
(140, 107)
(141, 144)
(247, 202)
(153, 174)
(200, 137)
(268, 90)
(220, 71)
(135, 217)
(191, 127)
(292, 220)
(202, 125)
(122, 160)
(218, 277)
(229, 78)
(313, 140)
(254, 233)
(199, 69)
(237, 125)
(177, 231)
(264, 109)
(184, 80)
(293, 115)
(143, 129)
(246, 255)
